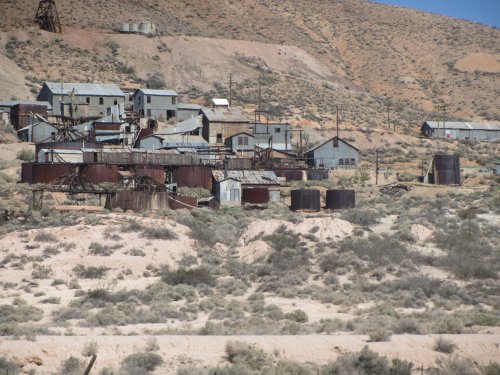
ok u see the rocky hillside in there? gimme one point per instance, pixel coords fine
(358, 54)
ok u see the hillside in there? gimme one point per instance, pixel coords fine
(357, 54)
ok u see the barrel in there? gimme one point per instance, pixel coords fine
(306, 200)
(340, 199)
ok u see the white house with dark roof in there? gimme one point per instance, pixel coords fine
(156, 104)
(334, 153)
(81, 99)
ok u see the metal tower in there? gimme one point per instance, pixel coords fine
(47, 17)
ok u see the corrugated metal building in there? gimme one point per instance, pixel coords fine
(172, 142)
(21, 114)
(461, 130)
(39, 132)
(221, 123)
(273, 135)
(187, 110)
(241, 143)
(156, 104)
(228, 191)
(89, 99)
(333, 154)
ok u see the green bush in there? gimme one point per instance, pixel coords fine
(241, 353)
(90, 272)
(444, 345)
(41, 272)
(298, 316)
(141, 363)
(160, 234)
(26, 155)
(8, 367)
(194, 277)
(72, 366)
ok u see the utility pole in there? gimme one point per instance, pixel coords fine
(388, 115)
(259, 99)
(230, 88)
(376, 167)
(337, 121)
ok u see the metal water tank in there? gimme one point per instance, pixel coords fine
(145, 28)
(255, 195)
(125, 27)
(134, 27)
(306, 200)
(340, 199)
(446, 169)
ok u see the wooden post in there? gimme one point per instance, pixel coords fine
(376, 167)
(91, 363)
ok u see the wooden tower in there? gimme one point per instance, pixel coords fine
(47, 16)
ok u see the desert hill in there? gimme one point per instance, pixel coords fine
(358, 54)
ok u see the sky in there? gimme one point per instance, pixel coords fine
(483, 11)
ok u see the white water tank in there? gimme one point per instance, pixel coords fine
(134, 27)
(125, 27)
(145, 28)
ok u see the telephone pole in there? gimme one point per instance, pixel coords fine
(376, 167)
(258, 106)
(388, 114)
(230, 88)
(337, 121)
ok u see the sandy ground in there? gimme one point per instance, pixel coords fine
(482, 62)
(179, 351)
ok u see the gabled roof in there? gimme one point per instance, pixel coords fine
(330, 140)
(240, 133)
(85, 89)
(186, 126)
(462, 125)
(225, 115)
(248, 177)
(158, 92)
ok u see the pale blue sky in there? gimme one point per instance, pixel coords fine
(483, 11)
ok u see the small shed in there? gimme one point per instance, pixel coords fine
(241, 143)
(187, 110)
(228, 191)
(334, 153)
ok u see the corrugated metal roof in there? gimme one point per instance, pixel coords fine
(12, 104)
(225, 115)
(159, 92)
(185, 126)
(249, 177)
(86, 89)
(188, 106)
(463, 125)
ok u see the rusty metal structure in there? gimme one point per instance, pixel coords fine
(47, 17)
(72, 183)
(306, 200)
(317, 174)
(193, 176)
(340, 199)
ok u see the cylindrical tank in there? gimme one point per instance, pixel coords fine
(447, 169)
(340, 199)
(255, 195)
(307, 200)
(294, 175)
(125, 27)
(134, 27)
(146, 28)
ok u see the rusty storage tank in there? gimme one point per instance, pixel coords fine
(255, 195)
(306, 200)
(340, 199)
(294, 175)
(99, 173)
(446, 169)
(193, 176)
(317, 174)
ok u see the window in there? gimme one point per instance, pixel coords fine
(353, 161)
(115, 102)
(148, 99)
(87, 100)
(101, 101)
(219, 138)
(242, 141)
(341, 161)
(174, 100)
(277, 130)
